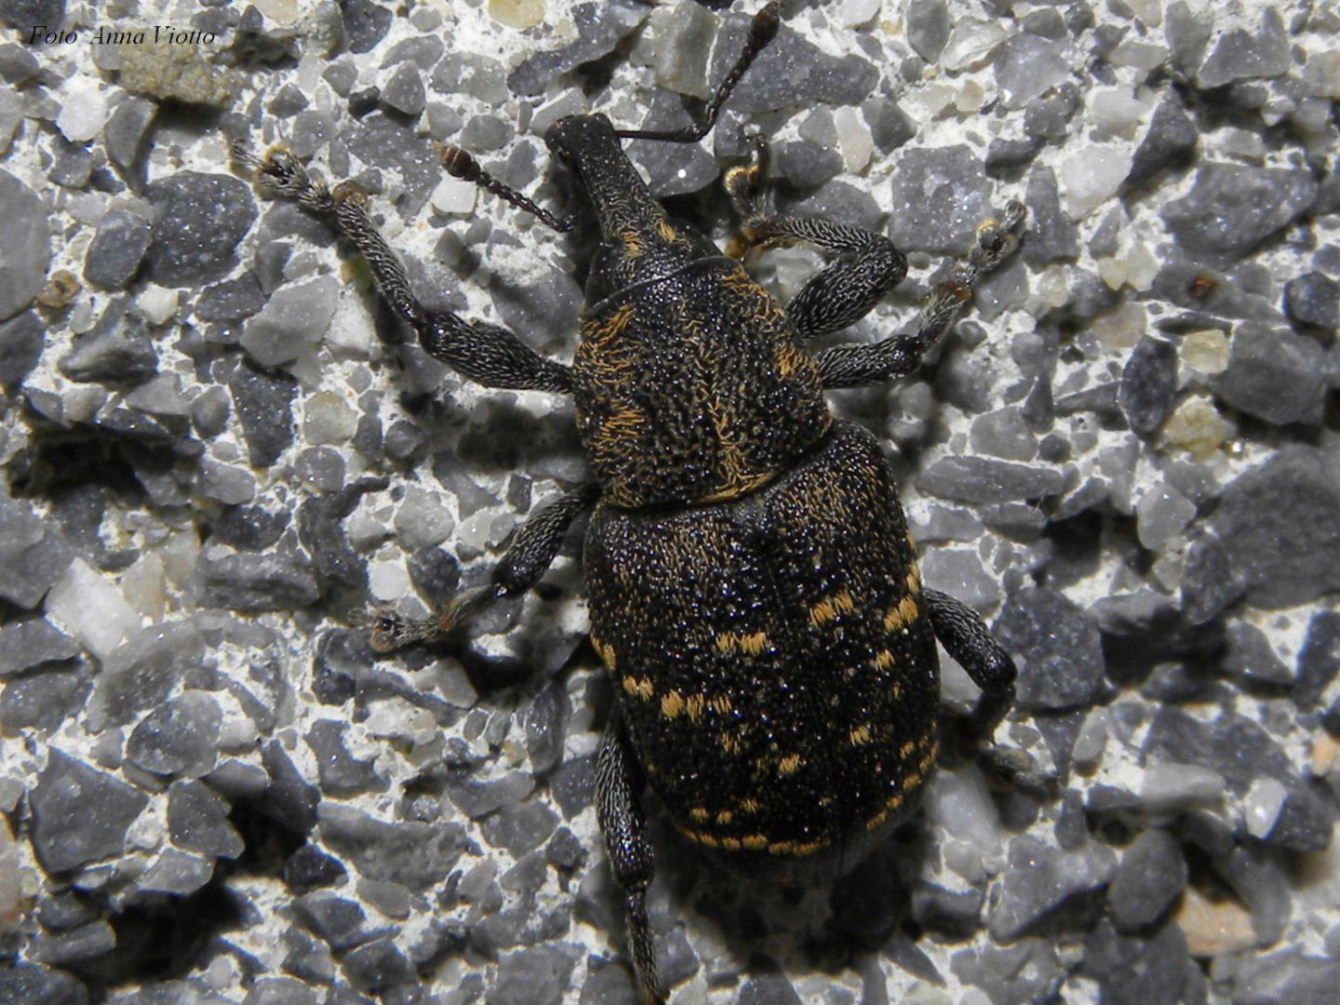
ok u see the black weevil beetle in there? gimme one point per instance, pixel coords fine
(753, 588)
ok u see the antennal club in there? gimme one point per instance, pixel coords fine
(762, 30)
(460, 164)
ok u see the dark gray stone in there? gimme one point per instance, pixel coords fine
(1234, 207)
(365, 23)
(807, 165)
(177, 873)
(1041, 879)
(538, 975)
(1051, 236)
(1250, 659)
(478, 799)
(1281, 524)
(1274, 374)
(1288, 977)
(80, 814)
(118, 350)
(940, 195)
(342, 775)
(83, 943)
(179, 737)
(1243, 55)
(198, 821)
(17, 64)
(544, 720)
(954, 913)
(335, 920)
(790, 72)
(927, 28)
(126, 127)
(377, 967)
(231, 300)
(1151, 970)
(573, 785)
(1059, 650)
(1170, 141)
(31, 984)
(117, 248)
(520, 827)
(1148, 385)
(201, 220)
(984, 480)
(33, 554)
(1026, 971)
(1151, 876)
(144, 670)
(1261, 881)
(25, 252)
(600, 28)
(264, 404)
(1313, 299)
(32, 641)
(1208, 581)
(404, 90)
(280, 991)
(244, 582)
(1232, 745)
(415, 855)
(1318, 659)
(22, 340)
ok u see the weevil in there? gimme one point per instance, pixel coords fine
(753, 588)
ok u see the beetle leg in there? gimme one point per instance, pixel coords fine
(859, 365)
(485, 353)
(531, 553)
(966, 638)
(624, 825)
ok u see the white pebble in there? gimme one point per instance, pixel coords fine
(92, 608)
(85, 111)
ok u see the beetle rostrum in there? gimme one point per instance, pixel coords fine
(753, 589)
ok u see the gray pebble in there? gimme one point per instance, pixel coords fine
(600, 28)
(22, 340)
(1148, 385)
(177, 873)
(470, 73)
(1026, 971)
(342, 775)
(266, 582)
(790, 72)
(1151, 970)
(1287, 977)
(80, 814)
(404, 91)
(179, 737)
(1313, 299)
(280, 991)
(1208, 581)
(1236, 747)
(1261, 881)
(1040, 879)
(520, 827)
(1027, 66)
(538, 976)
(117, 249)
(1318, 659)
(955, 913)
(198, 821)
(17, 64)
(1048, 117)
(1232, 208)
(146, 668)
(1243, 55)
(1274, 374)
(118, 350)
(264, 403)
(573, 785)
(33, 554)
(1250, 659)
(126, 127)
(377, 967)
(984, 480)
(1151, 876)
(927, 28)
(201, 220)
(231, 300)
(26, 251)
(960, 574)
(1282, 518)
(940, 195)
(1059, 647)
(1051, 236)
(416, 855)
(807, 165)
(1171, 139)
(27, 643)
(483, 133)
(82, 943)
(335, 920)
(26, 983)
(365, 24)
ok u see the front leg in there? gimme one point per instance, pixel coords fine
(485, 353)
(865, 265)
(531, 553)
(860, 365)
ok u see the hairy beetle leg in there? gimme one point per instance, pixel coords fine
(530, 555)
(623, 823)
(485, 353)
(861, 365)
